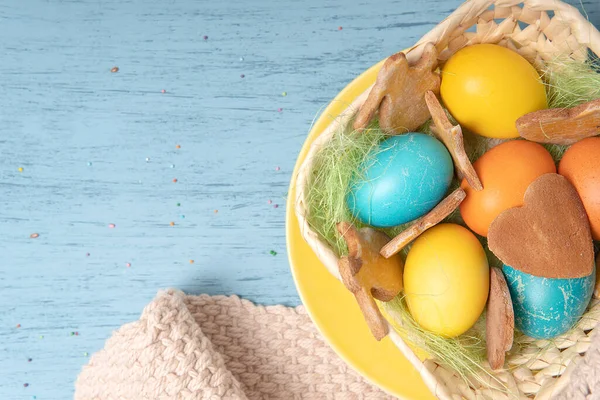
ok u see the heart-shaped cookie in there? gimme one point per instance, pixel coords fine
(549, 236)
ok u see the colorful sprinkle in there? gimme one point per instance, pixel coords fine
(26, 385)
(205, 37)
(191, 261)
(339, 28)
(269, 201)
(163, 91)
(277, 168)
(273, 252)
(172, 165)
(112, 226)
(87, 254)
(34, 235)
(89, 164)
(29, 359)
(178, 204)
(20, 169)
(182, 216)
(242, 76)
(175, 180)
(114, 69)
(86, 354)
(147, 159)
(172, 223)
(128, 265)
(41, 336)
(216, 211)
(18, 325)
(178, 146)
(284, 94)
(280, 109)
(275, 205)
(72, 333)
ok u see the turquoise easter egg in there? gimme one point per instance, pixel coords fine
(408, 176)
(545, 308)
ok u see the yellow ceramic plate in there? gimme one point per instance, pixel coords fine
(331, 307)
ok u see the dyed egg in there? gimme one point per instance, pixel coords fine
(545, 308)
(505, 172)
(581, 166)
(446, 279)
(487, 87)
(406, 178)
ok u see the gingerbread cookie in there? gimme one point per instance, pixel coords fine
(369, 275)
(549, 236)
(432, 218)
(500, 320)
(452, 137)
(399, 93)
(561, 125)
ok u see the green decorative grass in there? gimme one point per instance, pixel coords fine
(570, 83)
(333, 169)
(464, 354)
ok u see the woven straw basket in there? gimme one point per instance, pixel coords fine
(539, 30)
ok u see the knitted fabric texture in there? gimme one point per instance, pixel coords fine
(217, 347)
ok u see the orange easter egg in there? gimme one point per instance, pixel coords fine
(581, 166)
(505, 172)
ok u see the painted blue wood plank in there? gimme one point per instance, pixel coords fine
(98, 148)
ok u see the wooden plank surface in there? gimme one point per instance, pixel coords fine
(99, 148)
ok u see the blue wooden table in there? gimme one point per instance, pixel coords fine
(187, 151)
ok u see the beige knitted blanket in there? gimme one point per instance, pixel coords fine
(217, 347)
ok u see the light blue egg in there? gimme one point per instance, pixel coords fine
(408, 176)
(545, 308)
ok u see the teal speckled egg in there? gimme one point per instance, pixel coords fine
(545, 308)
(406, 178)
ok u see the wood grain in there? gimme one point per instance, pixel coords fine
(61, 108)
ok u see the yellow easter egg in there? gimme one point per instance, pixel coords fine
(446, 280)
(487, 87)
